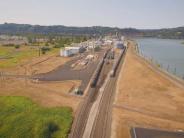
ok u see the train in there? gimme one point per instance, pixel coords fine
(105, 54)
(98, 70)
(117, 62)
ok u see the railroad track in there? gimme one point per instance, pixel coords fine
(102, 124)
(82, 116)
(79, 123)
(101, 127)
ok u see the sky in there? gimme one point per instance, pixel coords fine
(141, 14)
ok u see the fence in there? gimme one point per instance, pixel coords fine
(164, 66)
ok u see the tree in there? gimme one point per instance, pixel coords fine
(17, 46)
(45, 49)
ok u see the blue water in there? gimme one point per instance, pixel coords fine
(167, 53)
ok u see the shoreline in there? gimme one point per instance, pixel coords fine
(146, 97)
(173, 78)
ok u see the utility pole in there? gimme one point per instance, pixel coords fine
(39, 50)
(25, 76)
(168, 68)
(1, 78)
(175, 70)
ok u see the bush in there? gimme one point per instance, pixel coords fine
(17, 46)
(97, 48)
(49, 129)
(47, 44)
(45, 49)
(59, 46)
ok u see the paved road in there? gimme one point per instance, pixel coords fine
(151, 133)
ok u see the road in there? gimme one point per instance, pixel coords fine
(94, 117)
(153, 133)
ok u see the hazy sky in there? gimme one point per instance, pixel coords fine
(116, 13)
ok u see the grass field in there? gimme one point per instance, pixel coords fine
(21, 118)
(13, 56)
(4, 51)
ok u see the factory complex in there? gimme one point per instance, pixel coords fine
(92, 45)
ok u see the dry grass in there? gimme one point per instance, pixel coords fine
(38, 65)
(46, 94)
(145, 98)
(49, 94)
(48, 64)
(25, 60)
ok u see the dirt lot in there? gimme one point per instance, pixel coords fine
(38, 65)
(55, 93)
(145, 98)
(47, 64)
(48, 94)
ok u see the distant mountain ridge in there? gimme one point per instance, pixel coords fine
(170, 33)
(12, 28)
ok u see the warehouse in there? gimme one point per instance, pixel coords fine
(108, 42)
(69, 51)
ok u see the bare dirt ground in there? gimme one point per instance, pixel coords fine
(145, 98)
(84, 62)
(38, 65)
(48, 65)
(48, 94)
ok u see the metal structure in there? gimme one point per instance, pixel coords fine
(69, 51)
(117, 62)
(98, 70)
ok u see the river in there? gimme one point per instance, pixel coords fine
(166, 53)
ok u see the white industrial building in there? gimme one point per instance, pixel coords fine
(108, 42)
(122, 38)
(69, 51)
(99, 43)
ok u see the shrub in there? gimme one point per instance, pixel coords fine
(17, 46)
(45, 49)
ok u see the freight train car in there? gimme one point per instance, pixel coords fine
(97, 74)
(117, 62)
(98, 70)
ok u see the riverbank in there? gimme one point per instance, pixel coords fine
(167, 54)
(145, 98)
(158, 69)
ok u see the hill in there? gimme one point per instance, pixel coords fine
(11, 28)
(171, 33)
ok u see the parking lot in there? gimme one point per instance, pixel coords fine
(152, 133)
